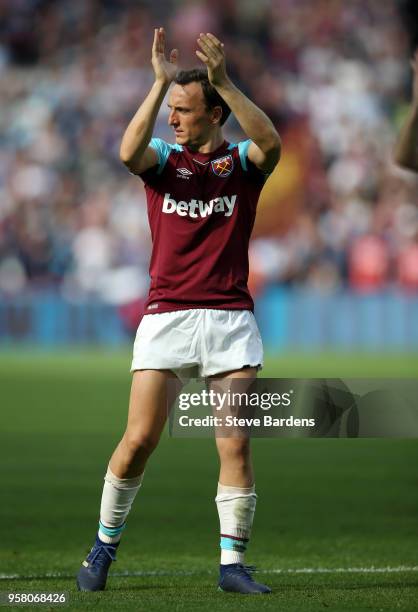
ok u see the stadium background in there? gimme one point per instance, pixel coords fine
(334, 270)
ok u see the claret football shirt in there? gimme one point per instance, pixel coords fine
(201, 210)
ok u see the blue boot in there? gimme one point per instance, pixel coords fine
(236, 578)
(93, 572)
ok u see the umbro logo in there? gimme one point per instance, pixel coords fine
(183, 173)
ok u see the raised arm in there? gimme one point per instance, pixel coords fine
(264, 151)
(406, 149)
(134, 150)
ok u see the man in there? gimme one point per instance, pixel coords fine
(406, 150)
(202, 194)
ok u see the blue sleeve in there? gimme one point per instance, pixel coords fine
(163, 150)
(243, 153)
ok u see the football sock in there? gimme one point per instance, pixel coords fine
(236, 507)
(117, 498)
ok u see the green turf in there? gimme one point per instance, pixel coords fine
(322, 503)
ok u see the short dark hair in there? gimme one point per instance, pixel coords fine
(212, 98)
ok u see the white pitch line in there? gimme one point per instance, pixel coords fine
(303, 570)
(345, 570)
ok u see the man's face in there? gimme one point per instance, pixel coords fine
(189, 117)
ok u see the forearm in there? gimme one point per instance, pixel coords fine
(406, 149)
(139, 131)
(254, 122)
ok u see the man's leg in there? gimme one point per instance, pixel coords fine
(146, 419)
(236, 502)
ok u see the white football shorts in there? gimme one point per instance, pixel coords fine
(197, 343)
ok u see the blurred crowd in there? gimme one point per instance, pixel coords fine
(333, 75)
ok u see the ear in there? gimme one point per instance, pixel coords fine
(216, 113)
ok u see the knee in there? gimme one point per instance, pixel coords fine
(234, 449)
(139, 443)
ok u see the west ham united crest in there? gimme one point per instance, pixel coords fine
(223, 166)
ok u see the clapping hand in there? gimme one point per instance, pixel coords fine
(212, 54)
(165, 71)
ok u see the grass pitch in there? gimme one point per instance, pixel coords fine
(336, 526)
